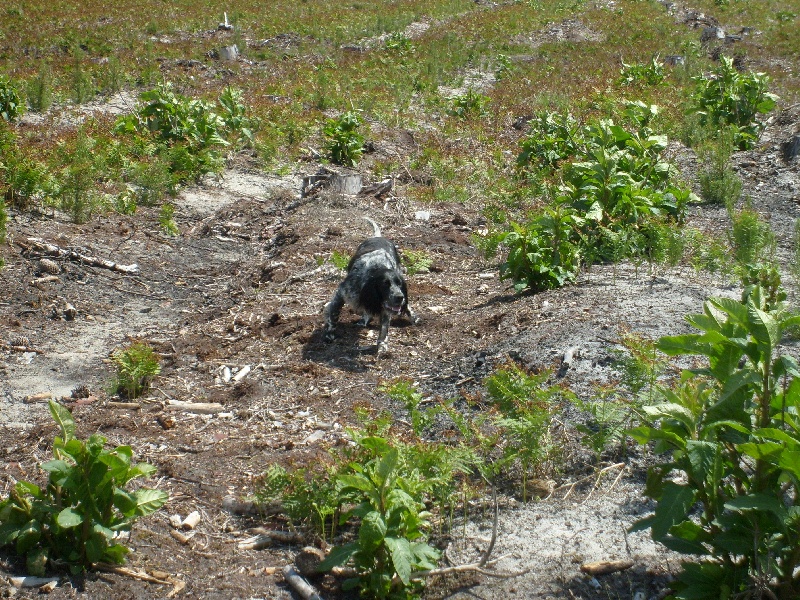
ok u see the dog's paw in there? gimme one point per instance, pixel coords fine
(382, 349)
(328, 336)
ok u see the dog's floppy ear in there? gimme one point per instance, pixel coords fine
(371, 296)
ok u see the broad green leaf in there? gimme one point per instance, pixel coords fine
(702, 581)
(115, 554)
(679, 544)
(63, 419)
(142, 470)
(69, 517)
(387, 465)
(765, 328)
(672, 508)
(704, 458)
(790, 461)
(400, 551)
(757, 502)
(372, 530)
(58, 469)
(148, 501)
(28, 536)
(732, 307)
(425, 556)
(675, 345)
(338, 556)
(26, 487)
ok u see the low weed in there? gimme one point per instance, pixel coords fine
(344, 144)
(469, 104)
(76, 519)
(81, 84)
(340, 260)
(651, 74)
(166, 219)
(416, 261)
(136, 366)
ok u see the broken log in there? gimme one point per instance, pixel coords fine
(40, 245)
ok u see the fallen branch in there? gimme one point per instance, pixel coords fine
(299, 585)
(203, 408)
(604, 567)
(141, 576)
(263, 540)
(32, 582)
(595, 476)
(40, 245)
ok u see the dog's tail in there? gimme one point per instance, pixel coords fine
(376, 231)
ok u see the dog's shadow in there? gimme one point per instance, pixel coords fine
(346, 352)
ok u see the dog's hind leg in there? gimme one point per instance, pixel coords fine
(332, 310)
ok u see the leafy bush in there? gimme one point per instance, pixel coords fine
(728, 97)
(136, 366)
(344, 144)
(11, 107)
(615, 195)
(541, 253)
(77, 516)
(732, 433)
(553, 138)
(391, 539)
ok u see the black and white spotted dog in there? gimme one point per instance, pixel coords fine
(374, 287)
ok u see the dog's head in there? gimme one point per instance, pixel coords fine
(386, 291)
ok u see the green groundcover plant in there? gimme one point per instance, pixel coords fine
(76, 518)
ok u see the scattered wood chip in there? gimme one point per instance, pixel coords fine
(181, 538)
(38, 397)
(191, 521)
(128, 405)
(308, 559)
(604, 567)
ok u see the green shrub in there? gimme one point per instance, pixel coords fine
(77, 193)
(23, 181)
(76, 517)
(166, 219)
(542, 253)
(136, 366)
(391, 537)
(344, 144)
(416, 261)
(728, 97)
(11, 107)
(553, 138)
(731, 431)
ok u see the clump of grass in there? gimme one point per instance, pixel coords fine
(40, 90)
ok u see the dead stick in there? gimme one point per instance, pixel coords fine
(130, 573)
(42, 246)
(299, 585)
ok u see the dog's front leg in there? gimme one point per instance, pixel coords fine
(385, 319)
(332, 310)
